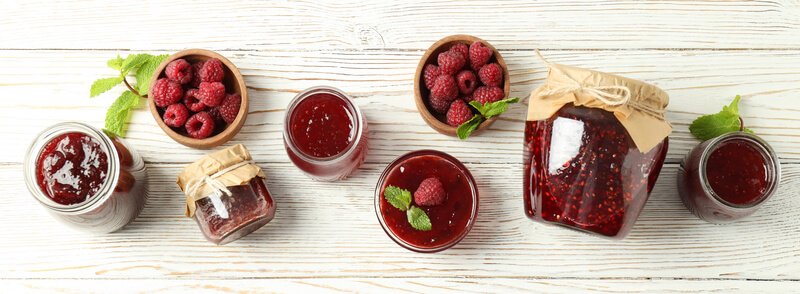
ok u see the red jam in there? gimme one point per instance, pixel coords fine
(737, 172)
(248, 208)
(71, 168)
(322, 125)
(582, 170)
(450, 220)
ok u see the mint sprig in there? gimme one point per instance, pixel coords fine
(401, 199)
(713, 125)
(487, 111)
(142, 66)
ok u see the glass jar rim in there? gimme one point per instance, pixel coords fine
(44, 137)
(357, 120)
(449, 158)
(773, 167)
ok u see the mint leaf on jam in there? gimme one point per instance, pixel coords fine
(100, 86)
(418, 219)
(713, 125)
(399, 198)
(487, 111)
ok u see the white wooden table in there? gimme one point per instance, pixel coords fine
(325, 236)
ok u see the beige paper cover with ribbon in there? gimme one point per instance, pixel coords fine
(213, 173)
(637, 105)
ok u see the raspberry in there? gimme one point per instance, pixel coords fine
(467, 82)
(479, 55)
(211, 94)
(218, 120)
(166, 92)
(212, 71)
(229, 108)
(176, 115)
(439, 105)
(488, 94)
(466, 98)
(444, 88)
(192, 102)
(180, 71)
(491, 74)
(429, 75)
(196, 78)
(458, 113)
(450, 62)
(430, 192)
(200, 125)
(461, 48)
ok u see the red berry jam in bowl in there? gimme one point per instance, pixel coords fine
(325, 133)
(86, 178)
(728, 177)
(450, 219)
(583, 171)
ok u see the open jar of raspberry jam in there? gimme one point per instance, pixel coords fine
(728, 177)
(85, 178)
(583, 171)
(325, 134)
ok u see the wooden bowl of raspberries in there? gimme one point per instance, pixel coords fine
(446, 81)
(198, 98)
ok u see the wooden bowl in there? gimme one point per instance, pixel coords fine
(433, 119)
(234, 83)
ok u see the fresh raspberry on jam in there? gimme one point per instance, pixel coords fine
(180, 71)
(176, 115)
(461, 48)
(429, 75)
(458, 113)
(212, 71)
(486, 94)
(167, 92)
(439, 105)
(196, 77)
(479, 55)
(467, 82)
(450, 62)
(491, 74)
(211, 93)
(430, 192)
(445, 88)
(192, 102)
(229, 108)
(200, 125)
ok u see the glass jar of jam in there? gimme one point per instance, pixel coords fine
(325, 134)
(226, 195)
(583, 171)
(85, 178)
(728, 177)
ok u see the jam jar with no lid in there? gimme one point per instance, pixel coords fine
(325, 134)
(85, 178)
(582, 170)
(728, 177)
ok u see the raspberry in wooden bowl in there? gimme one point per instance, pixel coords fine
(198, 97)
(453, 72)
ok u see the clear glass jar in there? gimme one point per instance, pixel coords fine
(583, 171)
(325, 134)
(118, 200)
(726, 186)
(228, 218)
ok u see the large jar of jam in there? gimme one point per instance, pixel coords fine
(85, 178)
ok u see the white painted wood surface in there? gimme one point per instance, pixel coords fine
(325, 236)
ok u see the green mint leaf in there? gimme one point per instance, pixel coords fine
(399, 198)
(133, 61)
(478, 106)
(496, 108)
(469, 126)
(418, 219)
(145, 72)
(713, 125)
(100, 86)
(115, 63)
(119, 112)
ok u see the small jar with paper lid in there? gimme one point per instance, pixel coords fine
(226, 194)
(594, 146)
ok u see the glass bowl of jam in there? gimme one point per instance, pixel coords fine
(728, 177)
(450, 221)
(85, 178)
(325, 134)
